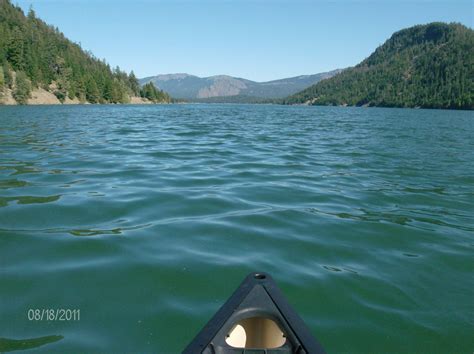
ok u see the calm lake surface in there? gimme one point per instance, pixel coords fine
(146, 218)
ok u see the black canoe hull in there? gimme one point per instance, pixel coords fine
(258, 297)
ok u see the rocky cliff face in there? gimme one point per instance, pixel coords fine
(222, 86)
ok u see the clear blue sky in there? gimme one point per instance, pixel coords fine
(259, 40)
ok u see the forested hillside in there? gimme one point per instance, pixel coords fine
(429, 66)
(33, 54)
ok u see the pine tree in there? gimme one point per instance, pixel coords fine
(108, 94)
(15, 49)
(134, 85)
(80, 90)
(92, 91)
(31, 13)
(22, 90)
(2, 78)
(2, 82)
(150, 92)
(7, 75)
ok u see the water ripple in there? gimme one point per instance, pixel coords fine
(146, 218)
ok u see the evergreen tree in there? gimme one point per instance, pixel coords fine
(2, 82)
(134, 85)
(31, 13)
(108, 92)
(7, 75)
(92, 91)
(150, 92)
(80, 90)
(15, 49)
(2, 78)
(22, 90)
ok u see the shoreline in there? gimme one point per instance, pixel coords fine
(229, 104)
(41, 97)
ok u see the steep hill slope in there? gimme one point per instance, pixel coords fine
(429, 66)
(34, 55)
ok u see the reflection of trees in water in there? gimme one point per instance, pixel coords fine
(8, 345)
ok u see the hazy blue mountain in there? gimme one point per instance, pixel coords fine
(193, 87)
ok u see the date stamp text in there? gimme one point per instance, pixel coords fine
(54, 314)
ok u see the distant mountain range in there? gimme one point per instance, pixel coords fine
(185, 86)
(427, 66)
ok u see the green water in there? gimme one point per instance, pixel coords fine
(145, 218)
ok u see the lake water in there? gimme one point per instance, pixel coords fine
(146, 218)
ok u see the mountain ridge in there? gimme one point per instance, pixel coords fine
(192, 87)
